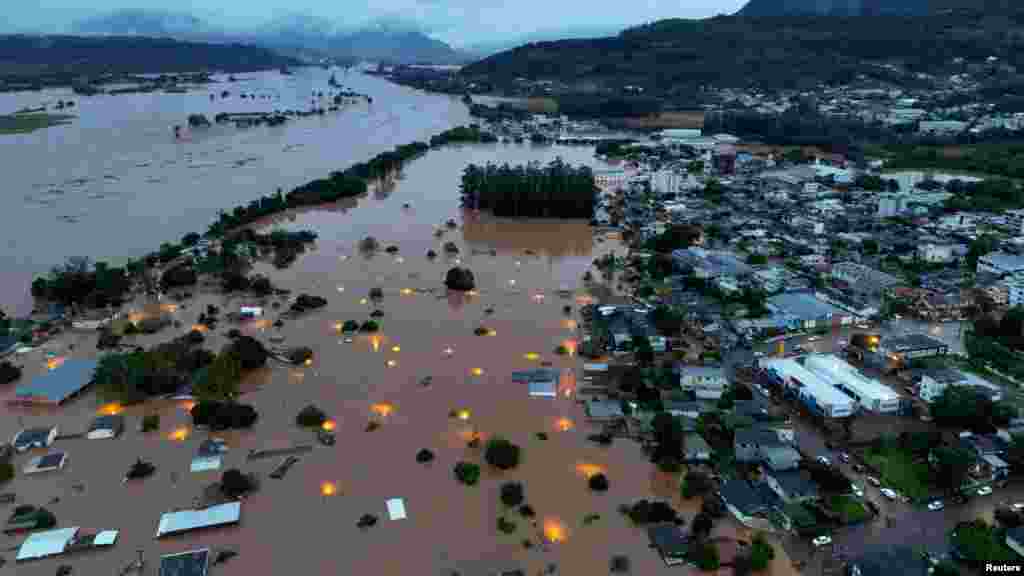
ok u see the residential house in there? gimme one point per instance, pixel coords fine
(931, 383)
(707, 382)
(747, 501)
(604, 410)
(862, 279)
(782, 458)
(105, 427)
(792, 485)
(751, 444)
(671, 541)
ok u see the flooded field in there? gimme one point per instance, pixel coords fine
(295, 525)
(115, 183)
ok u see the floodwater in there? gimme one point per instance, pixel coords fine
(115, 183)
(289, 526)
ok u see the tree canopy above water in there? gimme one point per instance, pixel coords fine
(557, 190)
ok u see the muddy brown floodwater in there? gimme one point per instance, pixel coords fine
(289, 526)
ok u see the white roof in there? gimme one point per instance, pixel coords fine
(543, 389)
(396, 509)
(105, 538)
(830, 366)
(185, 520)
(823, 392)
(205, 464)
(49, 543)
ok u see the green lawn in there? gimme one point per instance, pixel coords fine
(898, 471)
(25, 123)
(850, 509)
(800, 516)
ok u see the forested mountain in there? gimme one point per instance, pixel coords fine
(867, 7)
(772, 52)
(394, 46)
(32, 56)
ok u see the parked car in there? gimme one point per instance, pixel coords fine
(936, 505)
(857, 490)
(873, 481)
(984, 491)
(824, 460)
(822, 541)
(889, 493)
(814, 338)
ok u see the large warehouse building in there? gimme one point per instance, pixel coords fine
(870, 393)
(817, 393)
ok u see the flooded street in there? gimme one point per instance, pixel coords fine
(115, 183)
(519, 266)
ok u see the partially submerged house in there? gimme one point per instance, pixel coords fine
(748, 500)
(671, 541)
(604, 410)
(46, 463)
(192, 563)
(63, 541)
(34, 438)
(57, 385)
(541, 383)
(187, 520)
(695, 448)
(106, 427)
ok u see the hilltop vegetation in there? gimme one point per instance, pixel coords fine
(774, 52)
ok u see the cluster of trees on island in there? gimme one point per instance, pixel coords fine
(557, 190)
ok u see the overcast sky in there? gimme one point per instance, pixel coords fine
(455, 21)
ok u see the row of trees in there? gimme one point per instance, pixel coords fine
(557, 190)
(80, 282)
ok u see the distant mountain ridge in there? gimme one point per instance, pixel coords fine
(870, 7)
(387, 40)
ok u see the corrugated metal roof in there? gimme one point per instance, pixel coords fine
(59, 384)
(105, 538)
(186, 520)
(49, 543)
(396, 508)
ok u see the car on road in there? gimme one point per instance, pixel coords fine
(824, 460)
(814, 338)
(822, 541)
(873, 481)
(857, 490)
(888, 493)
(1018, 506)
(936, 505)
(984, 491)
(348, 339)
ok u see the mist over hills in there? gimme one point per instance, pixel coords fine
(390, 40)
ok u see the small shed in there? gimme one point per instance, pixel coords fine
(188, 520)
(396, 508)
(106, 427)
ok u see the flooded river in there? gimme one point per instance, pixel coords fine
(115, 183)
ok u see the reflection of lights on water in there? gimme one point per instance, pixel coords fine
(391, 363)
(363, 300)
(375, 342)
(449, 351)
(341, 288)
(476, 371)
(399, 260)
(179, 434)
(201, 328)
(531, 356)
(589, 470)
(338, 326)
(406, 291)
(568, 393)
(458, 261)
(470, 434)
(518, 263)
(54, 363)
(564, 424)
(329, 425)
(492, 332)
(538, 298)
(342, 257)
(555, 531)
(512, 282)
(169, 307)
(584, 300)
(328, 488)
(188, 405)
(570, 345)
(262, 324)
(309, 361)
(472, 293)
(110, 409)
(569, 324)
(396, 348)
(382, 409)
(463, 414)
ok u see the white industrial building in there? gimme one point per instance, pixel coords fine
(1001, 263)
(870, 393)
(817, 393)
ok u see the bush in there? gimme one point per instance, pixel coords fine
(9, 372)
(561, 350)
(350, 326)
(619, 564)
(598, 483)
(106, 341)
(140, 469)
(376, 293)
(512, 494)
(645, 512)
(713, 507)
(669, 465)
(460, 279)
(369, 326)
(431, 254)
(424, 456)
(501, 453)
(183, 275)
(707, 557)
(451, 248)
(526, 511)
(506, 526)
(6, 472)
(602, 438)
(467, 473)
(369, 245)
(366, 521)
(696, 483)
(249, 351)
(701, 525)
(307, 302)
(310, 417)
(234, 484)
(300, 354)
(761, 553)
(150, 422)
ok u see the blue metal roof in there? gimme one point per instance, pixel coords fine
(59, 384)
